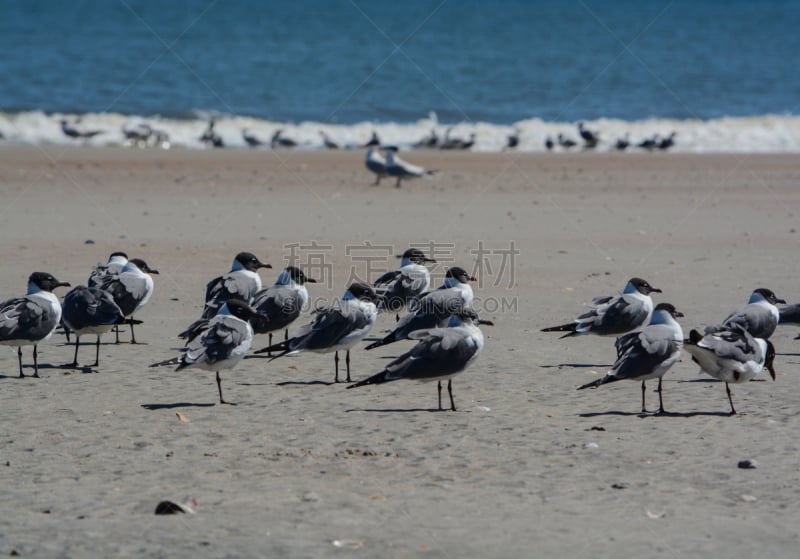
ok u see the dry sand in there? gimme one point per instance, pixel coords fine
(305, 469)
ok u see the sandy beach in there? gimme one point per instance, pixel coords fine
(301, 467)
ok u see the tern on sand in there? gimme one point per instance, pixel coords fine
(242, 282)
(401, 287)
(396, 167)
(131, 289)
(759, 316)
(282, 303)
(90, 310)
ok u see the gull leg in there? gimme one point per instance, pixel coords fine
(75, 357)
(347, 362)
(439, 389)
(450, 392)
(644, 409)
(660, 401)
(19, 354)
(219, 387)
(397, 185)
(269, 351)
(97, 352)
(336, 362)
(35, 361)
(728, 390)
(133, 334)
(116, 331)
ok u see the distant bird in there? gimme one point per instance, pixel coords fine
(512, 140)
(623, 143)
(327, 141)
(161, 139)
(374, 141)
(138, 132)
(220, 344)
(114, 266)
(131, 289)
(242, 281)
(32, 318)
(590, 138)
(759, 316)
(401, 287)
(613, 315)
(90, 310)
(565, 142)
(429, 141)
(376, 163)
(647, 353)
(76, 132)
(280, 141)
(251, 139)
(439, 354)
(731, 355)
(396, 167)
(210, 136)
(434, 308)
(336, 328)
(282, 303)
(649, 143)
(548, 143)
(457, 143)
(667, 142)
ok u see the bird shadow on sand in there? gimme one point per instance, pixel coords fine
(395, 410)
(307, 383)
(78, 368)
(153, 407)
(655, 414)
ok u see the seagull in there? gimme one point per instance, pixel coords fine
(759, 316)
(131, 289)
(590, 138)
(280, 141)
(396, 167)
(221, 344)
(623, 143)
(90, 310)
(376, 163)
(114, 266)
(282, 302)
(250, 139)
(374, 141)
(398, 288)
(512, 140)
(439, 354)
(731, 355)
(242, 281)
(32, 318)
(649, 143)
(456, 143)
(211, 137)
(647, 353)
(429, 141)
(565, 142)
(434, 308)
(548, 143)
(138, 133)
(667, 142)
(327, 141)
(337, 327)
(613, 315)
(790, 314)
(74, 131)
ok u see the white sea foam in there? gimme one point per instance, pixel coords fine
(769, 133)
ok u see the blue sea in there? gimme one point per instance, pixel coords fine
(721, 73)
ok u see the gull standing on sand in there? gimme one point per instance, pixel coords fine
(337, 327)
(396, 167)
(434, 308)
(376, 163)
(401, 287)
(114, 266)
(440, 354)
(759, 316)
(242, 282)
(90, 310)
(251, 139)
(647, 353)
(731, 355)
(613, 315)
(131, 289)
(77, 132)
(280, 141)
(282, 303)
(221, 344)
(32, 318)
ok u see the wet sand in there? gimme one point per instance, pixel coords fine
(302, 467)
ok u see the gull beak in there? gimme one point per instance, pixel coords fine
(63, 284)
(153, 272)
(679, 314)
(780, 301)
(311, 280)
(655, 290)
(262, 265)
(485, 322)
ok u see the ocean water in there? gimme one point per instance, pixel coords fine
(723, 74)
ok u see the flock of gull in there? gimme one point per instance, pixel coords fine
(441, 321)
(649, 340)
